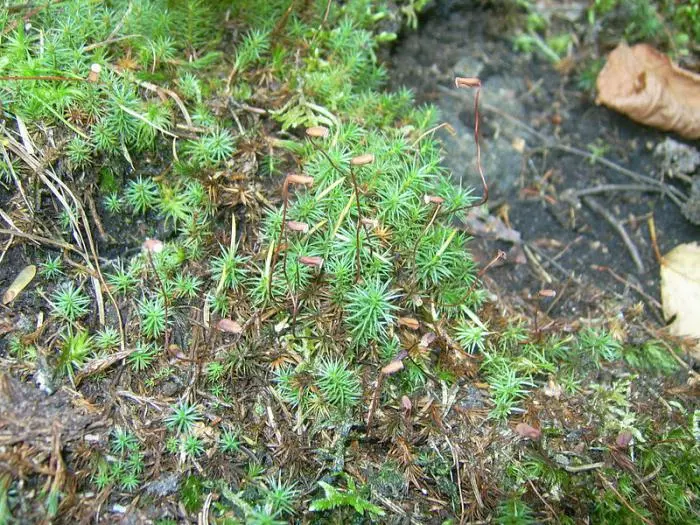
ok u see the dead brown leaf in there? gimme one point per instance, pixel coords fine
(680, 291)
(647, 87)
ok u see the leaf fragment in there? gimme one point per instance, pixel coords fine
(20, 283)
(680, 291)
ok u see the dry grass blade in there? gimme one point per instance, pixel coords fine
(87, 246)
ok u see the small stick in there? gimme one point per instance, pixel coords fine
(538, 266)
(606, 188)
(537, 492)
(41, 77)
(583, 468)
(610, 218)
(96, 218)
(358, 224)
(552, 261)
(634, 287)
(41, 240)
(652, 235)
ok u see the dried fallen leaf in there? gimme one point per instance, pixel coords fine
(230, 326)
(680, 291)
(647, 87)
(296, 226)
(310, 260)
(20, 283)
(479, 224)
(526, 431)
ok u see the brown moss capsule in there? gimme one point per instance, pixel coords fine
(153, 245)
(230, 326)
(297, 226)
(467, 82)
(94, 74)
(303, 180)
(362, 160)
(316, 262)
(434, 199)
(392, 367)
(317, 132)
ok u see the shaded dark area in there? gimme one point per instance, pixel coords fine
(528, 110)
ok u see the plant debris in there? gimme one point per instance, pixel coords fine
(647, 87)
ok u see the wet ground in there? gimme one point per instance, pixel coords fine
(540, 135)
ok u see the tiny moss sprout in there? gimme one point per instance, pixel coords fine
(51, 268)
(142, 194)
(212, 149)
(69, 302)
(338, 384)
(107, 339)
(142, 357)
(113, 203)
(122, 280)
(370, 310)
(152, 316)
(229, 442)
(182, 417)
(192, 446)
(123, 441)
(75, 348)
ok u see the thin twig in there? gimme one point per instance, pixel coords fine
(53, 182)
(549, 507)
(672, 352)
(549, 260)
(617, 225)
(610, 188)
(583, 468)
(462, 509)
(40, 240)
(652, 302)
(622, 499)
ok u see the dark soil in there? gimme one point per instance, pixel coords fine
(461, 39)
